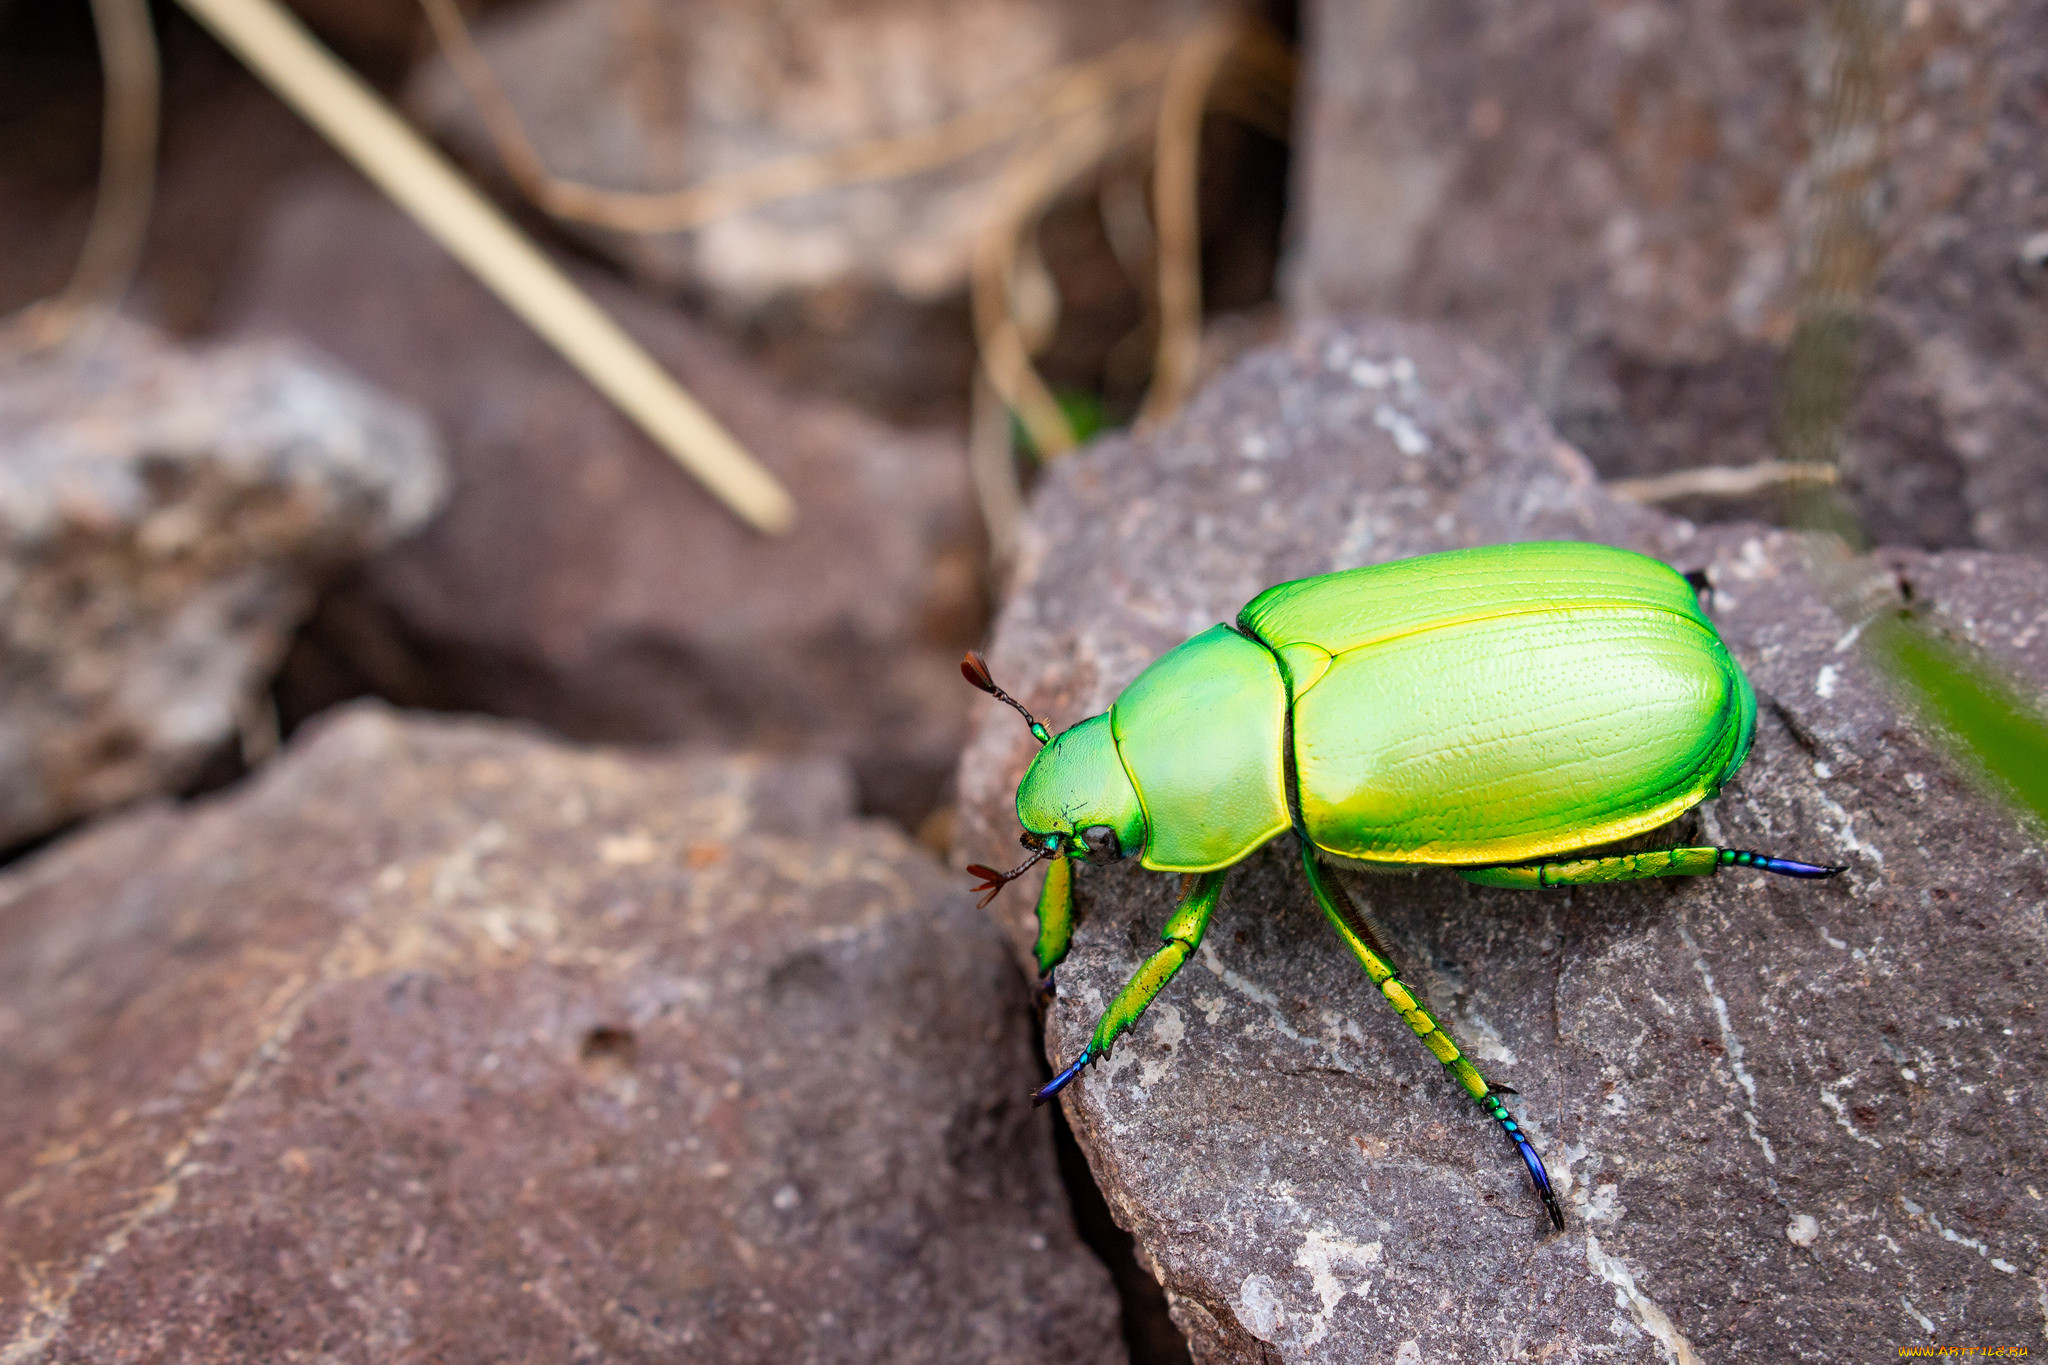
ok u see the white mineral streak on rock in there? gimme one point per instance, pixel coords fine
(1733, 1045)
(1845, 831)
(1949, 1234)
(1652, 1319)
(1408, 437)
(1367, 375)
(1321, 1253)
(1834, 1104)
(1254, 992)
(1168, 1028)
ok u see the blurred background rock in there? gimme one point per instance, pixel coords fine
(1631, 203)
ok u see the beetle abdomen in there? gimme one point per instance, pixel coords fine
(1518, 736)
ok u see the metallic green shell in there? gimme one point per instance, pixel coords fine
(1202, 734)
(1340, 612)
(1499, 704)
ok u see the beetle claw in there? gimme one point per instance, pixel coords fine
(1048, 990)
(1058, 1083)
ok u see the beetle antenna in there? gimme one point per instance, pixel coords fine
(993, 881)
(974, 668)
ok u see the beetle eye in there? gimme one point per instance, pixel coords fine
(1102, 845)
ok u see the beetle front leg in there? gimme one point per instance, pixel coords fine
(1055, 923)
(1328, 894)
(1183, 934)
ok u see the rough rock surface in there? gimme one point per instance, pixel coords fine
(1790, 1121)
(579, 578)
(1616, 199)
(660, 96)
(440, 1042)
(166, 517)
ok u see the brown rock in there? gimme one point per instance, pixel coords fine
(442, 1042)
(166, 517)
(579, 578)
(1617, 199)
(1789, 1120)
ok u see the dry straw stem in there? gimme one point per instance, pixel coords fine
(1049, 100)
(1724, 481)
(1176, 156)
(120, 216)
(1031, 182)
(1062, 127)
(351, 116)
(1059, 129)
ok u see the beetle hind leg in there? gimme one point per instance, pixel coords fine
(1628, 867)
(1336, 906)
(1183, 934)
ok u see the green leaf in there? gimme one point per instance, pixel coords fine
(1989, 722)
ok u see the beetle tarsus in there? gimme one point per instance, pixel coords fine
(1541, 1179)
(1045, 1092)
(1538, 1176)
(1784, 867)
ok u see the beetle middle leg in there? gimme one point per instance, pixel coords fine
(1331, 897)
(1629, 867)
(1183, 934)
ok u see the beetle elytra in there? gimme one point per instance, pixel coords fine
(1495, 711)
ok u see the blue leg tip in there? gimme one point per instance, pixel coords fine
(1541, 1179)
(1786, 867)
(1059, 1082)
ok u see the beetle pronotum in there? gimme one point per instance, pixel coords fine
(1494, 711)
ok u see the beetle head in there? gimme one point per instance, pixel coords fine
(1078, 800)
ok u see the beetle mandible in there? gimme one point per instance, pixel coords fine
(1496, 711)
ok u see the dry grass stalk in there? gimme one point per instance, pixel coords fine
(1176, 154)
(120, 216)
(1060, 130)
(1724, 481)
(1047, 101)
(352, 117)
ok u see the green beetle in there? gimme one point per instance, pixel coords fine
(1495, 711)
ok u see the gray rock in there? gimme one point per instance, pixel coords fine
(439, 1041)
(1616, 199)
(1789, 1120)
(580, 579)
(166, 517)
